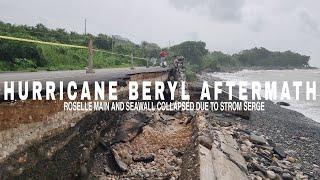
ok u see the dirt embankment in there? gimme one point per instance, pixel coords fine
(38, 135)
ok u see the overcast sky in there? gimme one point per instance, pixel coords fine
(225, 25)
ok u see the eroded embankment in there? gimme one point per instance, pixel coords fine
(61, 155)
(136, 145)
(146, 145)
(39, 139)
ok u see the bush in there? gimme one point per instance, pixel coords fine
(4, 66)
(191, 75)
(24, 63)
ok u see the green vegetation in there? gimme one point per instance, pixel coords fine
(23, 56)
(218, 61)
(199, 58)
(265, 58)
(190, 74)
(193, 51)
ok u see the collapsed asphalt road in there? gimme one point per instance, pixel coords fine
(75, 75)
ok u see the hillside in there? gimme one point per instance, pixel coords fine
(22, 56)
(18, 56)
(257, 58)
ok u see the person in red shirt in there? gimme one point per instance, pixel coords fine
(163, 56)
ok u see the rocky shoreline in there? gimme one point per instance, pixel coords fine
(296, 134)
(264, 157)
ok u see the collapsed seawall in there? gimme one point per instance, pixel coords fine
(58, 144)
(43, 141)
(40, 134)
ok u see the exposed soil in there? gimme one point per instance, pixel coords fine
(166, 141)
(21, 112)
(63, 154)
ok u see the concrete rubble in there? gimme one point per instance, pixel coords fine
(221, 150)
(154, 153)
(255, 156)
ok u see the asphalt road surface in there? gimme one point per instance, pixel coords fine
(75, 75)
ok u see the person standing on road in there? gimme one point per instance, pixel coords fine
(175, 61)
(163, 56)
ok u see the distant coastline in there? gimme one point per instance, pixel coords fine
(255, 68)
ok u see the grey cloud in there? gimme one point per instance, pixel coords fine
(225, 25)
(192, 36)
(217, 10)
(187, 4)
(256, 25)
(308, 23)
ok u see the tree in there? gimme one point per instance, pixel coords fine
(191, 50)
(103, 42)
(218, 61)
(264, 58)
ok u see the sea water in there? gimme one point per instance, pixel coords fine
(309, 108)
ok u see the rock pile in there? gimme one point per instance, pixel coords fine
(155, 153)
(264, 158)
(267, 159)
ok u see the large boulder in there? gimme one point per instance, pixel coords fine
(283, 104)
(258, 139)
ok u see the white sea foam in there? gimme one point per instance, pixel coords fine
(310, 109)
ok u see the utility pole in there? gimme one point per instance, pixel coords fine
(85, 26)
(112, 43)
(132, 67)
(143, 55)
(90, 57)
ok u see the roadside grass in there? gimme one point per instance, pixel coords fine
(57, 58)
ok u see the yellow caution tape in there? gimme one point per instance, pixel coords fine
(64, 45)
(41, 42)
